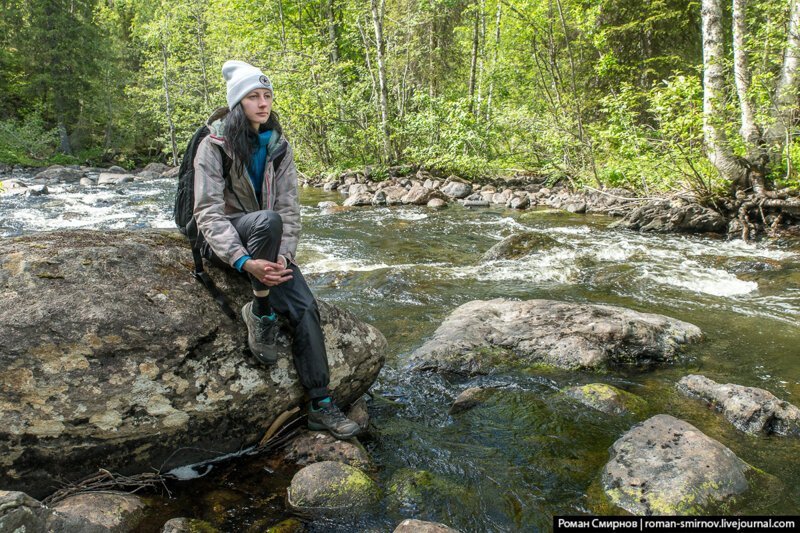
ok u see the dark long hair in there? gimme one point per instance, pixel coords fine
(240, 136)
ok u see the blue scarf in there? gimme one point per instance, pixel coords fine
(258, 162)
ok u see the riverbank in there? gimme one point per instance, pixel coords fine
(776, 216)
(745, 216)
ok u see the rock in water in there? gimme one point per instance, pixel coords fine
(750, 409)
(607, 398)
(481, 336)
(665, 466)
(112, 356)
(99, 512)
(672, 216)
(331, 487)
(519, 245)
(411, 525)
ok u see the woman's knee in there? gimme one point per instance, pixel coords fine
(268, 222)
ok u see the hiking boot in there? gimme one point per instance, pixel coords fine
(330, 418)
(261, 334)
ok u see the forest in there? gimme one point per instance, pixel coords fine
(653, 95)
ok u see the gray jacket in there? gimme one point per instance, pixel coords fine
(216, 204)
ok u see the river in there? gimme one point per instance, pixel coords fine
(526, 454)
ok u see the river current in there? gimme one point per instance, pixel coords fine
(526, 455)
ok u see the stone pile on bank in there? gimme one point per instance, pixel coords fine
(37, 182)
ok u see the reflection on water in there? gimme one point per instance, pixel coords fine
(527, 453)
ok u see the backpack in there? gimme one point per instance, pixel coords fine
(184, 214)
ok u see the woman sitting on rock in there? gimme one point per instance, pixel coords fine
(252, 223)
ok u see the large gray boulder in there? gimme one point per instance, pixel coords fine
(750, 409)
(99, 512)
(112, 356)
(480, 336)
(665, 466)
(673, 216)
(58, 173)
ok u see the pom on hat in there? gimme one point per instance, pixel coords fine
(242, 78)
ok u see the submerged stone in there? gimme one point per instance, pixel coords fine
(665, 466)
(607, 398)
(188, 525)
(519, 245)
(482, 336)
(750, 409)
(331, 487)
(418, 490)
(469, 398)
(411, 525)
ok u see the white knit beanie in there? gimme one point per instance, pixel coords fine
(242, 78)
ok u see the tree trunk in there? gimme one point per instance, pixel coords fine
(473, 65)
(786, 92)
(334, 44)
(494, 61)
(749, 131)
(198, 15)
(63, 136)
(283, 24)
(719, 153)
(378, 7)
(169, 107)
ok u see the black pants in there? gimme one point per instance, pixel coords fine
(260, 233)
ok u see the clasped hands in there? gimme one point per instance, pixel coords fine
(267, 272)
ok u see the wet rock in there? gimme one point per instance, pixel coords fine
(477, 200)
(20, 512)
(117, 170)
(171, 173)
(88, 182)
(147, 175)
(358, 188)
(331, 487)
(393, 194)
(58, 173)
(607, 398)
(92, 512)
(157, 168)
(501, 197)
(457, 188)
(750, 409)
(436, 203)
(411, 525)
(94, 377)
(37, 190)
(417, 489)
(359, 413)
(419, 195)
(360, 199)
(316, 446)
(519, 202)
(218, 503)
(379, 198)
(519, 245)
(187, 525)
(665, 466)
(290, 525)
(111, 178)
(327, 205)
(469, 398)
(574, 206)
(673, 216)
(481, 336)
(330, 186)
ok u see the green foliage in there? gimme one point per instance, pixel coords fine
(598, 92)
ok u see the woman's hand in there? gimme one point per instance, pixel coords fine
(267, 272)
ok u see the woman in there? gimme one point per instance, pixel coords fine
(252, 223)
